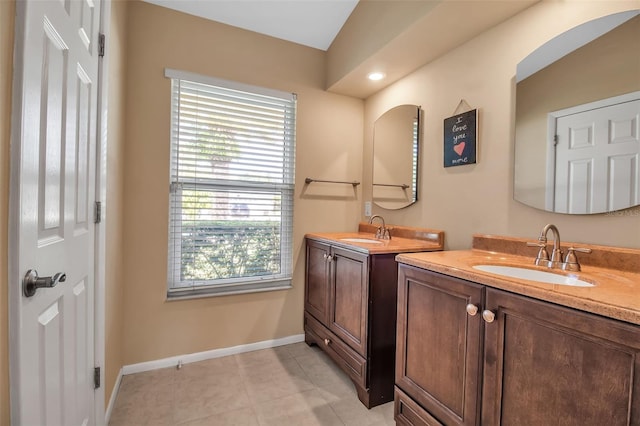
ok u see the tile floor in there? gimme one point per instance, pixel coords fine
(293, 385)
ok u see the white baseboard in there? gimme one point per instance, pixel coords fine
(202, 356)
(112, 400)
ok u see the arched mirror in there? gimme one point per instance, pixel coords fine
(396, 140)
(577, 123)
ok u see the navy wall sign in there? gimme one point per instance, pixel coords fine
(460, 139)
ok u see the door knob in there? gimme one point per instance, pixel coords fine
(31, 281)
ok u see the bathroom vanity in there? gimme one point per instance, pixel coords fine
(351, 298)
(480, 348)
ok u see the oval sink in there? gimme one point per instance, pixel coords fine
(360, 240)
(534, 275)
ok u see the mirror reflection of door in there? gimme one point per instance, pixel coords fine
(592, 62)
(597, 150)
(395, 157)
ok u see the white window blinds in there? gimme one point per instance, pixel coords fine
(232, 183)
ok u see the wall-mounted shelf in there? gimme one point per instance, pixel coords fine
(310, 180)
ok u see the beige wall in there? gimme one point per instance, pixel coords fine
(7, 11)
(114, 267)
(478, 198)
(329, 146)
(372, 25)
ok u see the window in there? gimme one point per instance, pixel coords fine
(231, 189)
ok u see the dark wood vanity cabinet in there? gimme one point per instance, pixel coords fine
(350, 312)
(546, 364)
(438, 350)
(535, 363)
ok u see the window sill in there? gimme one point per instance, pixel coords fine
(249, 288)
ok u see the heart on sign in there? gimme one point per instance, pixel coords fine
(459, 149)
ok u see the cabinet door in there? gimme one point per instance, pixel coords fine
(349, 298)
(316, 296)
(438, 349)
(546, 364)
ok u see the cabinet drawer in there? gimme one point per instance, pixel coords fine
(348, 359)
(407, 412)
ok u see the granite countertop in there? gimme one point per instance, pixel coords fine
(403, 239)
(616, 293)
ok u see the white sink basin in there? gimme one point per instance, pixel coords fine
(360, 240)
(534, 275)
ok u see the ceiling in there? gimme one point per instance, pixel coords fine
(312, 23)
(395, 37)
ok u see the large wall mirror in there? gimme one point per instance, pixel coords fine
(577, 123)
(396, 140)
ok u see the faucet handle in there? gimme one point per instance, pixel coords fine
(538, 244)
(383, 233)
(543, 255)
(571, 260)
(387, 234)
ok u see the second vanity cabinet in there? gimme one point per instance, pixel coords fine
(468, 354)
(350, 311)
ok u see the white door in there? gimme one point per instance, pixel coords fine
(52, 194)
(597, 159)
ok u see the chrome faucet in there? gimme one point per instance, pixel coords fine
(570, 263)
(543, 254)
(383, 232)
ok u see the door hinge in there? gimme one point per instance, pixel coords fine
(101, 45)
(96, 377)
(555, 140)
(97, 212)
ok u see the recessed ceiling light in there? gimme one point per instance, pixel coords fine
(375, 76)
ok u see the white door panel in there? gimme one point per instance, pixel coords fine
(624, 181)
(52, 352)
(597, 154)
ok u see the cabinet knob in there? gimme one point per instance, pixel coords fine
(472, 309)
(325, 256)
(488, 316)
(329, 258)
(327, 341)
